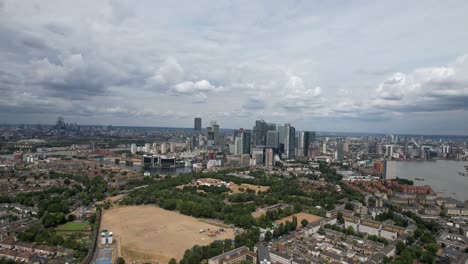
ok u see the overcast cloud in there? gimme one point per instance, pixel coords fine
(369, 66)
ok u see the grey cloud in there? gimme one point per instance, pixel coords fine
(426, 89)
(59, 29)
(120, 10)
(74, 78)
(375, 71)
(254, 104)
(142, 60)
(31, 41)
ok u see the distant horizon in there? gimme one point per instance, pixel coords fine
(249, 128)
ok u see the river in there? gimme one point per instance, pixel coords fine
(441, 175)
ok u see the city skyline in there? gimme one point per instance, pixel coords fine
(248, 127)
(347, 67)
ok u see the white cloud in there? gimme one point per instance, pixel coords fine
(296, 89)
(168, 74)
(193, 87)
(119, 57)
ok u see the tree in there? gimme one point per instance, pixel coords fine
(418, 232)
(432, 247)
(427, 257)
(400, 247)
(304, 222)
(349, 206)
(350, 230)
(268, 236)
(120, 260)
(92, 219)
(340, 218)
(71, 217)
(321, 231)
(173, 261)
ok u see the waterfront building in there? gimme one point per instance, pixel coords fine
(390, 171)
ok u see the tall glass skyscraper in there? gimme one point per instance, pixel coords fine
(197, 124)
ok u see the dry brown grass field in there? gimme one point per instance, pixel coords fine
(149, 234)
(310, 217)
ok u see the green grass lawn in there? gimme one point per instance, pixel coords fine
(74, 226)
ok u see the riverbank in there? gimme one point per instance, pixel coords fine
(442, 175)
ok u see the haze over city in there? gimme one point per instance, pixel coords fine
(354, 66)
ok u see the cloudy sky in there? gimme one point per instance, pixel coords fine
(369, 66)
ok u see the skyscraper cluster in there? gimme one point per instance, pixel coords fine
(262, 144)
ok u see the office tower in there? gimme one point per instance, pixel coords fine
(309, 138)
(289, 140)
(272, 139)
(286, 140)
(292, 142)
(209, 133)
(133, 149)
(390, 170)
(281, 135)
(300, 142)
(197, 124)
(269, 157)
(246, 142)
(324, 148)
(339, 151)
(215, 128)
(238, 145)
(259, 132)
(271, 127)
